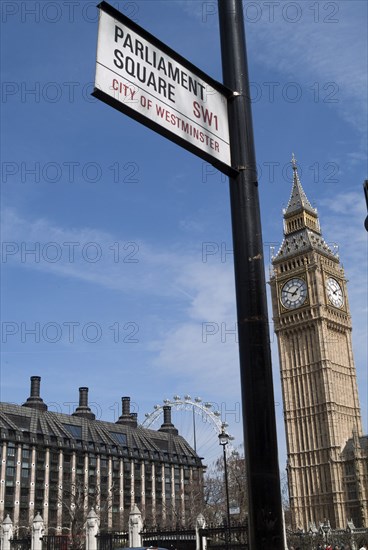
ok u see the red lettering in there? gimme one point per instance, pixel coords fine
(207, 116)
(196, 111)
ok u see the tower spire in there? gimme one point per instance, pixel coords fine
(298, 199)
(293, 161)
(301, 224)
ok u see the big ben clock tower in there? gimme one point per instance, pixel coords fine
(321, 405)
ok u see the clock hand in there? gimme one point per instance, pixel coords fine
(290, 292)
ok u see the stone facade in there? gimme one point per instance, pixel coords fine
(327, 452)
(61, 465)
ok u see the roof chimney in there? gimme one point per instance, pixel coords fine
(168, 426)
(83, 409)
(125, 405)
(34, 400)
(127, 417)
(134, 417)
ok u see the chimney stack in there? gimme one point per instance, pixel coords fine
(83, 408)
(35, 386)
(125, 404)
(168, 426)
(127, 417)
(34, 401)
(167, 414)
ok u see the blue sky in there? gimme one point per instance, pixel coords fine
(119, 291)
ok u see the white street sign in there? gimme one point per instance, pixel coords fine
(142, 77)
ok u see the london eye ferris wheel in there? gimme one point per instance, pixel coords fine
(198, 421)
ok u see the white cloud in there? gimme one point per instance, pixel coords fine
(348, 204)
(202, 338)
(322, 46)
(327, 48)
(199, 349)
(87, 254)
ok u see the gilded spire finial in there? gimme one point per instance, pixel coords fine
(293, 162)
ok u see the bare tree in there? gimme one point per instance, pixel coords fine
(215, 494)
(76, 503)
(74, 513)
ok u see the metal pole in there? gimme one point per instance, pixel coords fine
(265, 511)
(228, 537)
(194, 431)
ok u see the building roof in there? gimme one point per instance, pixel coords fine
(303, 240)
(62, 430)
(298, 199)
(301, 225)
(354, 444)
(32, 423)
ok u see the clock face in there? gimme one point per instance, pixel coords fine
(293, 293)
(334, 292)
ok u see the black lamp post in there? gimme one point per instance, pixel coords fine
(265, 520)
(224, 440)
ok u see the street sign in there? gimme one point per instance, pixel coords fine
(142, 77)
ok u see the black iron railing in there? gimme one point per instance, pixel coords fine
(110, 541)
(21, 544)
(56, 542)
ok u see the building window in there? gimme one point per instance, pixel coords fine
(349, 468)
(75, 431)
(119, 438)
(25, 453)
(11, 450)
(352, 492)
